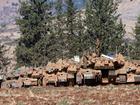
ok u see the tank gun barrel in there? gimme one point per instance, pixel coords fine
(108, 57)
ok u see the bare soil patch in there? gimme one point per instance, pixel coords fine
(85, 95)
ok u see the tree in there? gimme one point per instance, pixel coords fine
(59, 29)
(103, 28)
(34, 26)
(70, 16)
(81, 43)
(70, 28)
(135, 50)
(4, 61)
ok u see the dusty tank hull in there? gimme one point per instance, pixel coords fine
(27, 82)
(71, 79)
(88, 60)
(72, 71)
(121, 79)
(62, 78)
(91, 70)
(112, 76)
(12, 84)
(79, 78)
(88, 76)
(103, 63)
(50, 79)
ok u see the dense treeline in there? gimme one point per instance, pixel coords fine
(59, 30)
(135, 47)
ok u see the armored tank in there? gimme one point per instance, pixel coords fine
(12, 84)
(61, 72)
(62, 78)
(89, 70)
(23, 77)
(50, 78)
(27, 82)
(89, 76)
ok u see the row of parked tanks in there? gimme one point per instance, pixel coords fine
(89, 70)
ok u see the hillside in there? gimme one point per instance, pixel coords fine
(129, 11)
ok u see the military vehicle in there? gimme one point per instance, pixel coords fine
(50, 79)
(62, 78)
(89, 70)
(89, 76)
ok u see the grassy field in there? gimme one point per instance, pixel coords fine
(97, 95)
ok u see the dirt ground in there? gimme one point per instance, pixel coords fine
(85, 95)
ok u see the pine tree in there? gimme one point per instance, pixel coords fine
(34, 27)
(70, 28)
(70, 16)
(81, 43)
(135, 51)
(103, 28)
(59, 29)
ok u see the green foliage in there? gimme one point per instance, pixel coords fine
(70, 17)
(82, 43)
(103, 28)
(35, 27)
(63, 102)
(76, 40)
(59, 28)
(70, 28)
(46, 37)
(43, 37)
(135, 47)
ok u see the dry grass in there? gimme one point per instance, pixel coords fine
(98, 95)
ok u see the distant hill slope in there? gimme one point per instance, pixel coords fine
(129, 10)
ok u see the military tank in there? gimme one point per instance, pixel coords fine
(61, 72)
(89, 70)
(23, 77)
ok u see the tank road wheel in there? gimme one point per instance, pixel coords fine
(56, 84)
(44, 83)
(40, 81)
(79, 79)
(137, 79)
(121, 78)
(98, 80)
(71, 82)
(112, 80)
(60, 83)
(5, 84)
